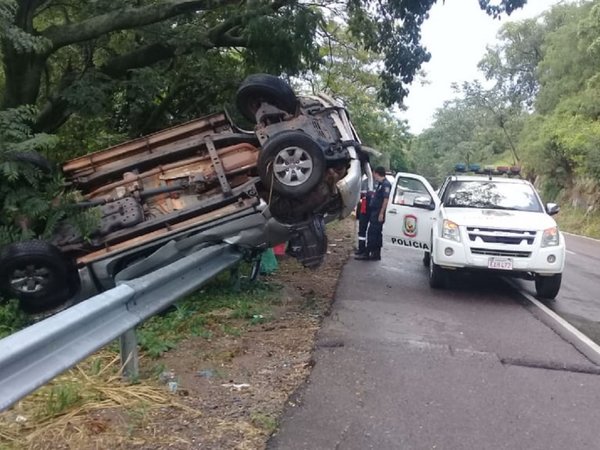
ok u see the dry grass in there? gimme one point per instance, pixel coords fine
(87, 406)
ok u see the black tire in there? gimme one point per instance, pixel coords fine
(426, 259)
(35, 159)
(548, 287)
(438, 277)
(262, 87)
(37, 274)
(291, 154)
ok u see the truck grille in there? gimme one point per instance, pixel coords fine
(495, 252)
(499, 236)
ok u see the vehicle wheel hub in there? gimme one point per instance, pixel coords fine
(30, 279)
(292, 166)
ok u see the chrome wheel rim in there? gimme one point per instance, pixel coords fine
(30, 279)
(292, 166)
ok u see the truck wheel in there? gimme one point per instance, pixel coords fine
(36, 273)
(426, 259)
(438, 277)
(291, 163)
(262, 87)
(548, 287)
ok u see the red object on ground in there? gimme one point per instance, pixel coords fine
(279, 249)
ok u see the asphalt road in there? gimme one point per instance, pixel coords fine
(579, 298)
(401, 366)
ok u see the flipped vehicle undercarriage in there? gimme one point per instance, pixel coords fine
(198, 183)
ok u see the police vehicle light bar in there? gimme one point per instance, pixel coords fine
(488, 169)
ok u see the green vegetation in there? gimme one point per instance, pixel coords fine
(33, 199)
(541, 112)
(135, 66)
(220, 308)
(265, 421)
(194, 315)
(577, 221)
(12, 318)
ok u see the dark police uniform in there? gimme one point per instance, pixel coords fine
(374, 233)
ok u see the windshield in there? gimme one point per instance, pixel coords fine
(491, 195)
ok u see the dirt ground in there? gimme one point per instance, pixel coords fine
(234, 388)
(228, 391)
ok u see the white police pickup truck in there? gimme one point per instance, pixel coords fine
(490, 222)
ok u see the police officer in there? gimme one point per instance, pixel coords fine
(377, 208)
(362, 215)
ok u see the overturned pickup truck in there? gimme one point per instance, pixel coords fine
(165, 195)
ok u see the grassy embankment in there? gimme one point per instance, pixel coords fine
(65, 404)
(577, 221)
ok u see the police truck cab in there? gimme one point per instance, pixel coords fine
(488, 221)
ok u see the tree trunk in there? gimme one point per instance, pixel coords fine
(23, 74)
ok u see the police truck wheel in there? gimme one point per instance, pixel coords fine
(291, 163)
(270, 89)
(438, 277)
(36, 273)
(426, 259)
(548, 287)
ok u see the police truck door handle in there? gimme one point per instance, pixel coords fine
(393, 211)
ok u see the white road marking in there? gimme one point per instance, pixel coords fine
(570, 252)
(563, 328)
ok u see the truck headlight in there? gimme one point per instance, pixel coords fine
(450, 231)
(550, 237)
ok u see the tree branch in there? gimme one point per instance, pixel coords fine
(125, 18)
(145, 56)
(218, 36)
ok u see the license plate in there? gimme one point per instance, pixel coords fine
(500, 263)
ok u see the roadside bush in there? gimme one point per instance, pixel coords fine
(33, 198)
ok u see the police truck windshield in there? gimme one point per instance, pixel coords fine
(491, 195)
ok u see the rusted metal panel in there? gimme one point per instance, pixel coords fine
(142, 144)
(165, 232)
(234, 159)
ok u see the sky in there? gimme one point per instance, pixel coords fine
(456, 34)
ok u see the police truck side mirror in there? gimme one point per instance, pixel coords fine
(552, 208)
(424, 202)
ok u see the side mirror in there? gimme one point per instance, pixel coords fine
(552, 208)
(424, 202)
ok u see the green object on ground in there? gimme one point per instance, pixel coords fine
(268, 262)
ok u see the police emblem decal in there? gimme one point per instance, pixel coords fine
(410, 225)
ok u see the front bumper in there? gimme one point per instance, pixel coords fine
(462, 256)
(349, 186)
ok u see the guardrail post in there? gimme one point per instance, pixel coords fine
(129, 354)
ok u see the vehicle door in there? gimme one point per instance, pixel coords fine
(411, 212)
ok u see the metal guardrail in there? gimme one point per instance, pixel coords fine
(33, 356)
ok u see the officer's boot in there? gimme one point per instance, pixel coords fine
(365, 256)
(375, 255)
(361, 248)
